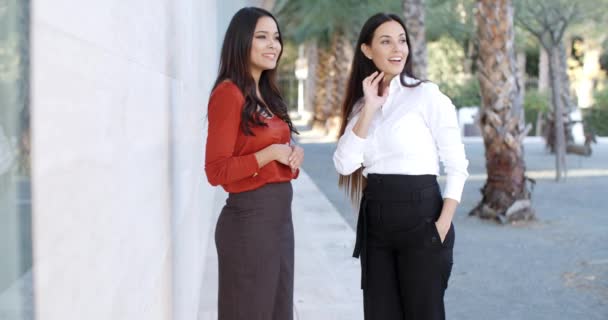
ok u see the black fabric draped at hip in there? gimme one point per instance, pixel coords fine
(390, 188)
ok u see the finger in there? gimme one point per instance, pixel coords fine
(378, 78)
(365, 82)
(369, 78)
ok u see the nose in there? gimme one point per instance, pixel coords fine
(273, 43)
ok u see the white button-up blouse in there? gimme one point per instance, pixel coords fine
(414, 129)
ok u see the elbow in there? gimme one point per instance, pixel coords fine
(212, 178)
(342, 168)
(343, 171)
(213, 181)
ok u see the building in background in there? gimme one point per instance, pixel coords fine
(103, 117)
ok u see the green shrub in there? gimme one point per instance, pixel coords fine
(463, 95)
(535, 102)
(596, 117)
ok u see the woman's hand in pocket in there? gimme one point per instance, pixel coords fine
(442, 229)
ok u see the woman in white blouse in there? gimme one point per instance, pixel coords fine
(395, 130)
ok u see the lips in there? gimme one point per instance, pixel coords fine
(271, 56)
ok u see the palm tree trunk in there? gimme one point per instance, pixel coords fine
(332, 74)
(505, 195)
(322, 76)
(343, 50)
(413, 11)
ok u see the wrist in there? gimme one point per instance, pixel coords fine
(274, 154)
(371, 107)
(368, 112)
(444, 223)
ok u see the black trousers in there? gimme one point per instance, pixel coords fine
(255, 246)
(405, 266)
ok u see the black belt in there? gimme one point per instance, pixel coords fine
(361, 240)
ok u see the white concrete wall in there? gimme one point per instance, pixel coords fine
(122, 210)
(195, 65)
(123, 216)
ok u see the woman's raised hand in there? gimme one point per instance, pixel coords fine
(373, 101)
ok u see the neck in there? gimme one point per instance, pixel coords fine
(256, 74)
(387, 81)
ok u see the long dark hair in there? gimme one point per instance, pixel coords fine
(362, 67)
(235, 64)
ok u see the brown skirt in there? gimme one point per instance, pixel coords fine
(255, 246)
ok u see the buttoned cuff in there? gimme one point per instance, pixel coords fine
(453, 187)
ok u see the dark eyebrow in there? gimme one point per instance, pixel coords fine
(387, 36)
(261, 31)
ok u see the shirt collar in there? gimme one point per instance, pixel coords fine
(408, 80)
(394, 87)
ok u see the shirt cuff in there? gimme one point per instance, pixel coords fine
(453, 187)
(251, 165)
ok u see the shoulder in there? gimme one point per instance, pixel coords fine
(426, 87)
(433, 102)
(226, 100)
(227, 90)
(433, 95)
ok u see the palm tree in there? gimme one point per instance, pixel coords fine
(414, 13)
(326, 26)
(505, 194)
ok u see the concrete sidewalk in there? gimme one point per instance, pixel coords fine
(327, 278)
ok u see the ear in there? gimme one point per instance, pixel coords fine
(367, 51)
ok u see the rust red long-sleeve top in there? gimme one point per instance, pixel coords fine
(229, 155)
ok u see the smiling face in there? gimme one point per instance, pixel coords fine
(388, 48)
(265, 46)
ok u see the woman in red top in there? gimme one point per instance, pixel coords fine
(249, 154)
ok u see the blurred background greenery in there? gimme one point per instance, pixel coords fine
(323, 33)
